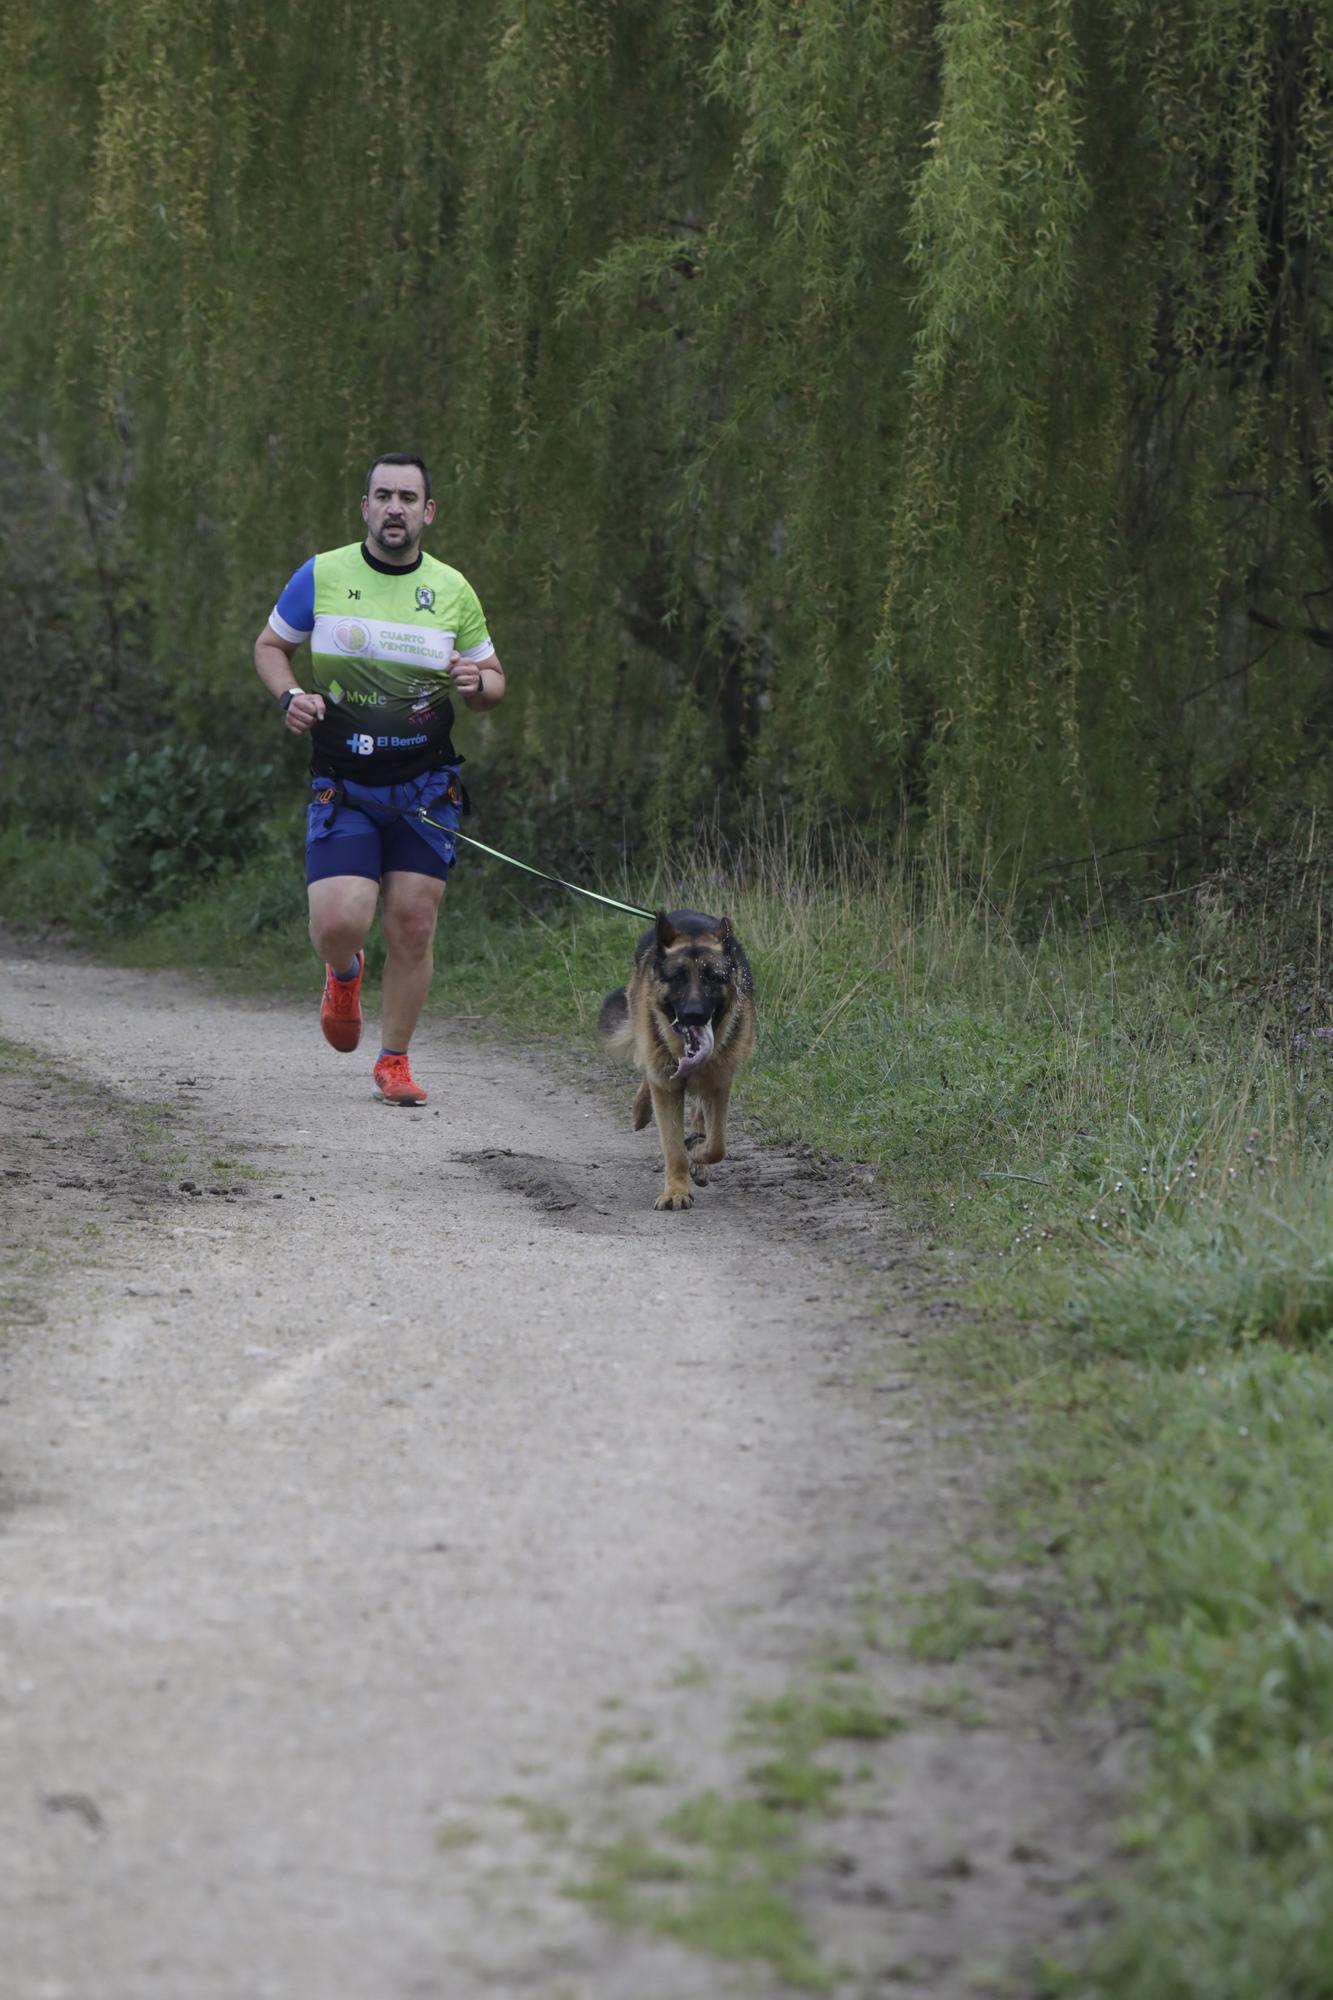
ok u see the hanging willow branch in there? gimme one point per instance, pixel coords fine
(852, 399)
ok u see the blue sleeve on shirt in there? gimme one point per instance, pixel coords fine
(297, 603)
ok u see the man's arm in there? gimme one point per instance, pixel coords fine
(481, 683)
(273, 664)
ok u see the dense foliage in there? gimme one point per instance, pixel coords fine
(169, 822)
(904, 404)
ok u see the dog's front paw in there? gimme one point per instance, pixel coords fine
(674, 1198)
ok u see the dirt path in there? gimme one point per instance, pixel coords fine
(402, 1522)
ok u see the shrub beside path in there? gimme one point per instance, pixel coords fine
(429, 1571)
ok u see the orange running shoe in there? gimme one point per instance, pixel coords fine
(394, 1084)
(340, 1008)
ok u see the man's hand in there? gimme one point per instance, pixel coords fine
(303, 712)
(465, 675)
(480, 684)
(273, 664)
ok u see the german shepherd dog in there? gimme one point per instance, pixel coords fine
(687, 1018)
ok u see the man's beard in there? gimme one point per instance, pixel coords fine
(401, 538)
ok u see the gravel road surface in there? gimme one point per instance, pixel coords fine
(406, 1534)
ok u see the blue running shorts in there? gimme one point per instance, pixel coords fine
(370, 830)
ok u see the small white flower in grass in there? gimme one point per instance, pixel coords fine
(1244, 1431)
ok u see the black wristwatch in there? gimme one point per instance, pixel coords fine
(288, 696)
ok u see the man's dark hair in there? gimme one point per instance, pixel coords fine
(399, 458)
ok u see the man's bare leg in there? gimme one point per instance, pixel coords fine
(341, 910)
(411, 906)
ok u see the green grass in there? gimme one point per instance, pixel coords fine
(720, 1872)
(643, 1771)
(539, 1816)
(796, 1728)
(960, 1617)
(1217, 1276)
(45, 883)
(690, 1674)
(1122, 1120)
(718, 1879)
(838, 1715)
(1195, 1511)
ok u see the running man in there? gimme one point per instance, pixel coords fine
(393, 633)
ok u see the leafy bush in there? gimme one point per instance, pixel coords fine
(169, 821)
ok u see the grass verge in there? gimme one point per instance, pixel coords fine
(719, 1873)
(1126, 1122)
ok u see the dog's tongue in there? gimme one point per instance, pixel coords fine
(698, 1046)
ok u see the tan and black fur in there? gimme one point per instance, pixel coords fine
(689, 970)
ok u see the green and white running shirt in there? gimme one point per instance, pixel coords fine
(381, 639)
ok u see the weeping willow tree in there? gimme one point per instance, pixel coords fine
(869, 404)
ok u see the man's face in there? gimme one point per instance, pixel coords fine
(396, 511)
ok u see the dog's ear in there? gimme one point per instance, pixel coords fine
(666, 931)
(725, 932)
